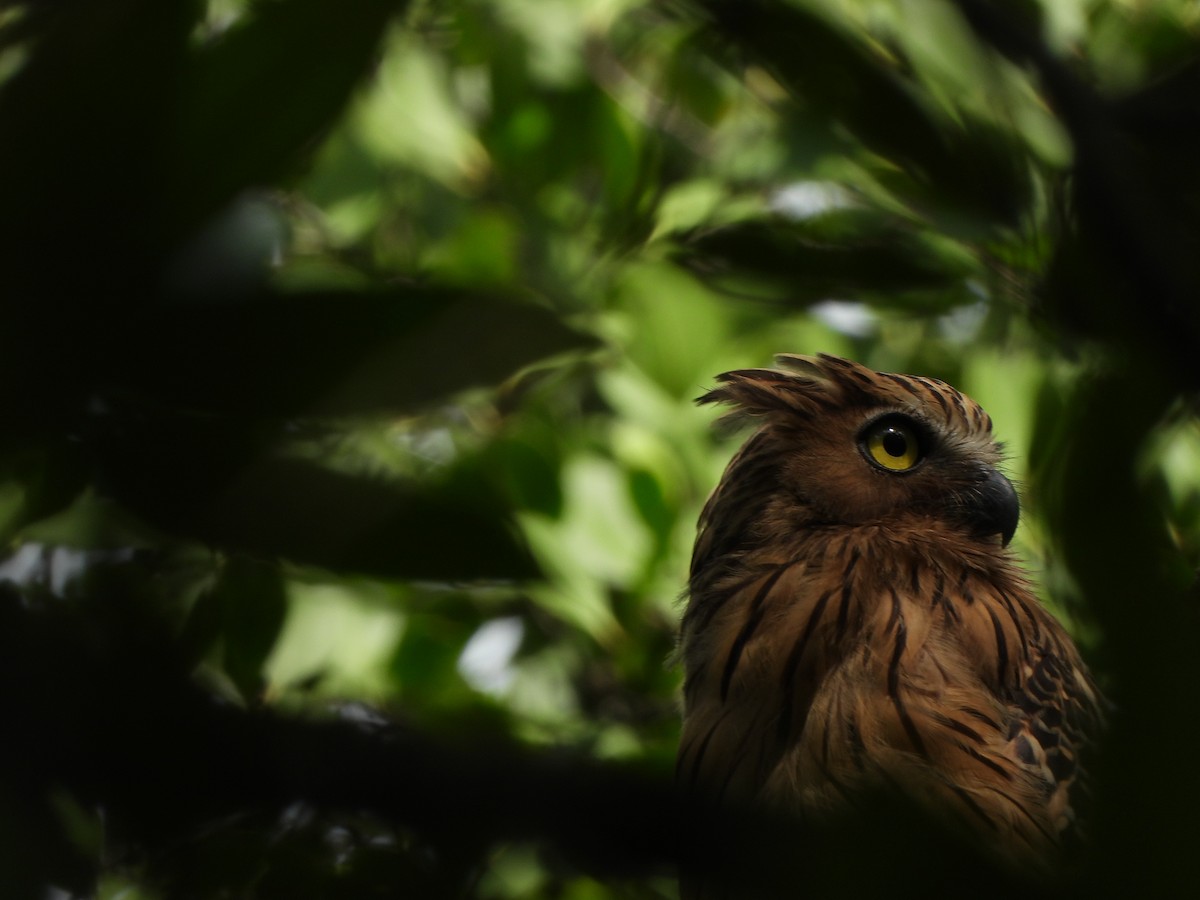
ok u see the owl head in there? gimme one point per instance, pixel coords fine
(838, 444)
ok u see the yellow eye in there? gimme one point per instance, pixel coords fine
(893, 445)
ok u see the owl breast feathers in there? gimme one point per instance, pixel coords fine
(855, 621)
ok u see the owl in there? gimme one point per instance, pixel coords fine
(856, 623)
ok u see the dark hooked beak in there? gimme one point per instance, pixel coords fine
(993, 507)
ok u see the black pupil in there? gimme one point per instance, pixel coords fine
(895, 444)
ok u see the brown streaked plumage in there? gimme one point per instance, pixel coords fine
(855, 621)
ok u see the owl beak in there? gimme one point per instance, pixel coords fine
(995, 507)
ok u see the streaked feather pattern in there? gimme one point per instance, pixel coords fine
(850, 628)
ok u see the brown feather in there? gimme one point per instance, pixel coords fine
(847, 631)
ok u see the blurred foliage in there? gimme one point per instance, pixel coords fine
(349, 470)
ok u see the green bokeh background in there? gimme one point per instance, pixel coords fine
(349, 351)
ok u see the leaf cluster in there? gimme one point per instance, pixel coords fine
(349, 470)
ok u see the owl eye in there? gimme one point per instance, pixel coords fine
(892, 444)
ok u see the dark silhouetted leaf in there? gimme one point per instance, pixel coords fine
(332, 354)
(83, 155)
(302, 512)
(796, 262)
(967, 165)
(258, 96)
(83, 158)
(253, 604)
(217, 481)
(197, 481)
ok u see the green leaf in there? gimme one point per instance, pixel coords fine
(35, 484)
(529, 474)
(680, 325)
